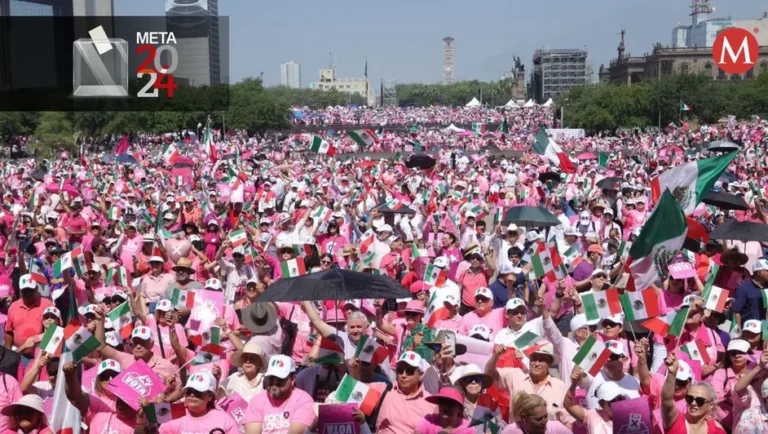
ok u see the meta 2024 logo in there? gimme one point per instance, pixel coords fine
(735, 50)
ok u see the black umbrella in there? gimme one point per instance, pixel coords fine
(740, 231)
(549, 176)
(609, 183)
(422, 161)
(127, 159)
(530, 216)
(38, 174)
(722, 146)
(401, 209)
(725, 201)
(692, 245)
(334, 284)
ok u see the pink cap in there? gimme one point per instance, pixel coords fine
(449, 393)
(414, 306)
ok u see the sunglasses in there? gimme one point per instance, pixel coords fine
(107, 376)
(326, 262)
(408, 370)
(736, 353)
(616, 357)
(516, 312)
(473, 379)
(699, 400)
(609, 324)
(280, 382)
(411, 314)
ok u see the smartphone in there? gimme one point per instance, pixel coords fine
(450, 339)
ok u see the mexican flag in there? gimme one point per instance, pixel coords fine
(211, 349)
(80, 341)
(548, 263)
(165, 412)
(436, 310)
(598, 305)
(353, 391)
(330, 351)
(544, 145)
(696, 351)
(118, 276)
(122, 320)
(322, 213)
(368, 350)
(364, 137)
(528, 343)
(171, 154)
(52, 340)
(640, 304)
(660, 239)
(592, 356)
(321, 146)
(65, 417)
(367, 240)
(684, 107)
(64, 263)
(435, 276)
(238, 237)
(183, 298)
(504, 127)
(716, 299)
(624, 248)
(689, 182)
(293, 268)
(486, 404)
(498, 215)
(208, 142)
(113, 213)
(670, 324)
(478, 128)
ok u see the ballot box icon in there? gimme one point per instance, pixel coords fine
(100, 66)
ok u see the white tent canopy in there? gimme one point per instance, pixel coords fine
(529, 103)
(473, 103)
(549, 103)
(454, 128)
(511, 103)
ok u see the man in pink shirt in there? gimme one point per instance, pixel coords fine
(281, 408)
(25, 317)
(483, 314)
(405, 405)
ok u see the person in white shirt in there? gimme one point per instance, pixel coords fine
(249, 380)
(516, 313)
(612, 372)
(236, 273)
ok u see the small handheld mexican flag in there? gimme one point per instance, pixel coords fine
(183, 298)
(602, 304)
(122, 320)
(368, 350)
(696, 351)
(165, 412)
(498, 215)
(79, 341)
(592, 356)
(684, 107)
(716, 299)
(118, 276)
(52, 340)
(331, 350)
(548, 263)
(211, 349)
(363, 138)
(321, 146)
(238, 237)
(486, 404)
(322, 213)
(640, 304)
(435, 276)
(669, 324)
(623, 252)
(353, 391)
(293, 267)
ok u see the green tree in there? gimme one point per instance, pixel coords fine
(255, 110)
(54, 134)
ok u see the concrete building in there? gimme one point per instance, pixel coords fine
(704, 29)
(448, 66)
(555, 71)
(328, 81)
(290, 75)
(195, 23)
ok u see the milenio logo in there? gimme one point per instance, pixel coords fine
(735, 50)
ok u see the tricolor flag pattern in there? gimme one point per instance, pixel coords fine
(640, 304)
(122, 320)
(321, 146)
(435, 276)
(79, 341)
(716, 299)
(592, 356)
(238, 237)
(696, 351)
(598, 305)
(165, 412)
(547, 263)
(364, 138)
(52, 340)
(368, 350)
(183, 298)
(293, 267)
(669, 324)
(331, 350)
(353, 391)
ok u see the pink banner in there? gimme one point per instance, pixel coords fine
(235, 405)
(136, 382)
(631, 416)
(337, 418)
(209, 305)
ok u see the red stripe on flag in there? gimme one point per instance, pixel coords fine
(721, 301)
(651, 302)
(614, 301)
(658, 326)
(703, 350)
(601, 360)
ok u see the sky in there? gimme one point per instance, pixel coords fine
(403, 39)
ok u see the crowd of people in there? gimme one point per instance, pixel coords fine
(114, 274)
(441, 115)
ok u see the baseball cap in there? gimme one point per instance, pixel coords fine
(615, 347)
(513, 304)
(599, 272)
(595, 248)
(202, 382)
(572, 231)
(441, 262)
(108, 365)
(280, 366)
(753, 326)
(26, 282)
(451, 299)
(609, 391)
(52, 310)
(384, 228)
(412, 359)
(506, 268)
(684, 371)
(617, 318)
(193, 238)
(213, 283)
(168, 216)
(689, 299)
(164, 306)
(481, 330)
(484, 292)
(760, 265)
(355, 303)
(580, 320)
(739, 345)
(142, 332)
(156, 259)
(239, 250)
(112, 338)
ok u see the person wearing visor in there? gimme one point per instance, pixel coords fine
(281, 405)
(25, 317)
(701, 399)
(405, 406)
(26, 416)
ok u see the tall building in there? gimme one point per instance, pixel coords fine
(448, 60)
(195, 24)
(290, 75)
(557, 71)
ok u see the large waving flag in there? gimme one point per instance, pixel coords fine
(544, 145)
(660, 240)
(208, 145)
(691, 181)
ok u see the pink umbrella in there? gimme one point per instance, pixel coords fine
(69, 188)
(586, 156)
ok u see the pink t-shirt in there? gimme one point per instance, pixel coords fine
(165, 337)
(494, 320)
(109, 423)
(13, 395)
(553, 427)
(214, 419)
(130, 249)
(276, 417)
(430, 425)
(596, 424)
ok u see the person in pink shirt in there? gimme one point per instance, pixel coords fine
(10, 393)
(281, 408)
(449, 416)
(597, 421)
(160, 323)
(101, 406)
(413, 312)
(155, 283)
(202, 415)
(483, 314)
(530, 417)
(26, 416)
(406, 405)
(701, 399)
(131, 246)
(735, 365)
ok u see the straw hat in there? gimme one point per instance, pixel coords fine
(250, 348)
(184, 264)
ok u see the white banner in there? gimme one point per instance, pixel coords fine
(566, 133)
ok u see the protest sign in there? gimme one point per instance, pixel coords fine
(631, 416)
(135, 382)
(337, 419)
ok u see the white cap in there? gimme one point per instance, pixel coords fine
(239, 250)
(168, 216)
(615, 318)
(164, 306)
(738, 345)
(514, 303)
(451, 299)
(213, 222)
(120, 294)
(112, 338)
(142, 332)
(482, 330)
(608, 391)
(195, 237)
(108, 365)
(280, 366)
(264, 220)
(403, 300)
(506, 268)
(684, 372)
(213, 283)
(599, 271)
(689, 299)
(615, 347)
(355, 303)
(484, 292)
(413, 359)
(760, 265)
(52, 310)
(572, 231)
(156, 259)
(26, 282)
(753, 325)
(202, 382)
(384, 228)
(441, 262)
(580, 320)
